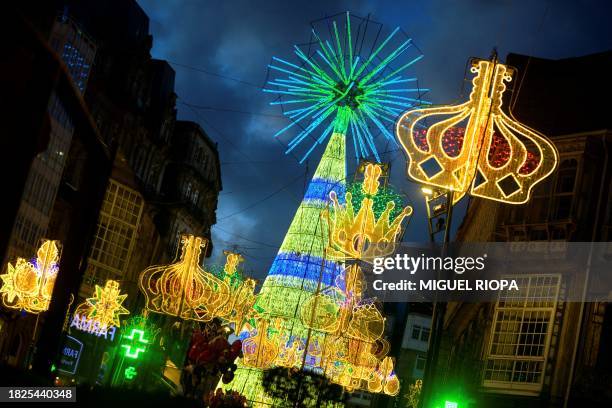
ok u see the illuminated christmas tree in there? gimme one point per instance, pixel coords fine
(344, 86)
(299, 269)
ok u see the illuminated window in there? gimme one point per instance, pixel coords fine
(520, 335)
(116, 233)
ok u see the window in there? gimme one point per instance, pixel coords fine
(564, 190)
(420, 363)
(425, 334)
(416, 332)
(520, 335)
(116, 233)
(566, 177)
(420, 333)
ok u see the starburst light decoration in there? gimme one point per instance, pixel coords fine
(183, 289)
(106, 306)
(29, 285)
(475, 167)
(350, 83)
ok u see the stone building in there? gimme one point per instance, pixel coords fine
(191, 185)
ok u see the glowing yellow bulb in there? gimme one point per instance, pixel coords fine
(427, 191)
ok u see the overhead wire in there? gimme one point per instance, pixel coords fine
(256, 203)
(215, 74)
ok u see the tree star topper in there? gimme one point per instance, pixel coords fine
(348, 85)
(470, 170)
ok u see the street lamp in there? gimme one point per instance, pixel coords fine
(428, 191)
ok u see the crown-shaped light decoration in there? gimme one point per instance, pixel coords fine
(106, 306)
(239, 306)
(470, 170)
(184, 289)
(29, 285)
(361, 236)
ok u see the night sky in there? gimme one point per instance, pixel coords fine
(262, 187)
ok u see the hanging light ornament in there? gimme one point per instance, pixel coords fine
(183, 289)
(29, 285)
(105, 307)
(471, 168)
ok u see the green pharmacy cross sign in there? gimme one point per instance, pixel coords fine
(136, 343)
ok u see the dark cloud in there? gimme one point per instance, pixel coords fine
(238, 39)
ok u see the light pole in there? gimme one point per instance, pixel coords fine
(439, 205)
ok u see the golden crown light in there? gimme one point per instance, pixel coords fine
(183, 289)
(470, 171)
(106, 306)
(354, 353)
(29, 285)
(361, 236)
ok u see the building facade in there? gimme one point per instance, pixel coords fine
(32, 222)
(105, 47)
(544, 352)
(191, 185)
